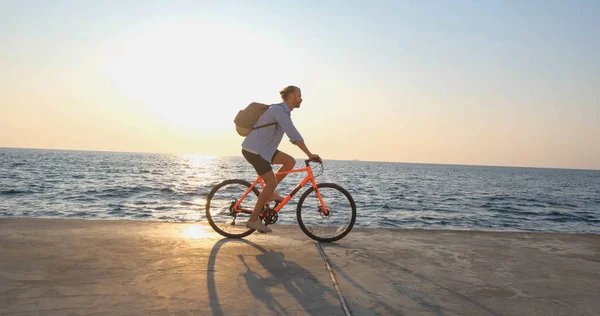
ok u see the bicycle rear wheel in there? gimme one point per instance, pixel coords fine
(326, 228)
(219, 208)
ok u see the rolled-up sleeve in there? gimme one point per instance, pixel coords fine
(290, 130)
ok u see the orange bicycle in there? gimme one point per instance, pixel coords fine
(326, 212)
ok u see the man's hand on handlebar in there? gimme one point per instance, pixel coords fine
(315, 158)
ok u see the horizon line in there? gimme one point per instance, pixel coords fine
(358, 160)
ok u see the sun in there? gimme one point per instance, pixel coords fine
(194, 74)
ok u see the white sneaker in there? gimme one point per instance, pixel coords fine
(258, 225)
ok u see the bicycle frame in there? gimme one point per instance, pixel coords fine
(309, 177)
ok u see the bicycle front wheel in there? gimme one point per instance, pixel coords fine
(339, 220)
(219, 208)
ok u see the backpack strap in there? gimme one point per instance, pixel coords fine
(264, 125)
(261, 126)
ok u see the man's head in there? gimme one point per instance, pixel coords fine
(292, 96)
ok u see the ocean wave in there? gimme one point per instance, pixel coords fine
(531, 205)
(129, 191)
(445, 210)
(386, 206)
(561, 204)
(531, 200)
(387, 223)
(15, 192)
(564, 219)
(186, 203)
(52, 213)
(115, 211)
(513, 211)
(571, 216)
(81, 215)
(499, 198)
(144, 202)
(81, 198)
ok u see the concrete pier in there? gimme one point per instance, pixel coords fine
(92, 267)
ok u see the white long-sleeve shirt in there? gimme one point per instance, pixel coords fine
(264, 141)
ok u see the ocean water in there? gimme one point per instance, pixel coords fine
(138, 186)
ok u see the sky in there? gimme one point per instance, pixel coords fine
(506, 83)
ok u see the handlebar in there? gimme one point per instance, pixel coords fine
(307, 161)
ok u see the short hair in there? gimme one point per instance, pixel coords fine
(286, 91)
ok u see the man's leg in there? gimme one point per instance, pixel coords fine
(286, 160)
(270, 184)
(288, 163)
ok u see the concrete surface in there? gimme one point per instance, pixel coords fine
(85, 267)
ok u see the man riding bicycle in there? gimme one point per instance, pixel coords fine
(260, 149)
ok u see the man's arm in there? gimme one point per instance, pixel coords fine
(288, 127)
(290, 130)
(310, 155)
(302, 146)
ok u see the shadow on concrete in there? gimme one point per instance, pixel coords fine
(419, 297)
(299, 282)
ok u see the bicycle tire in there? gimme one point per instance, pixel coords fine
(209, 202)
(310, 232)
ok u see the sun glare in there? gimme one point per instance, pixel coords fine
(196, 160)
(190, 74)
(195, 231)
